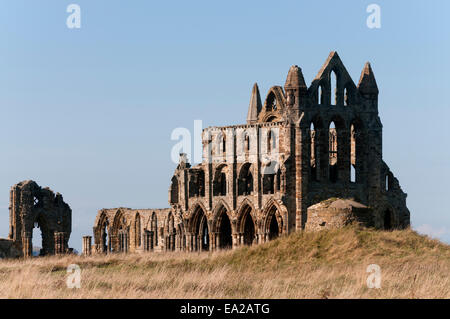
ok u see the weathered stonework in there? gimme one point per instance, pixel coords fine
(32, 206)
(337, 213)
(300, 147)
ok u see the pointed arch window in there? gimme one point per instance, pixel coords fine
(320, 95)
(269, 141)
(333, 87)
(332, 153)
(313, 154)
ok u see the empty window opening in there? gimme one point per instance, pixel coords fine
(224, 145)
(333, 86)
(105, 238)
(247, 143)
(332, 151)
(270, 142)
(346, 102)
(320, 95)
(220, 182)
(313, 154)
(245, 180)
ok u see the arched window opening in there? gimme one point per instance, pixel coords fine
(174, 191)
(346, 101)
(278, 181)
(271, 102)
(313, 153)
(225, 236)
(269, 141)
(224, 145)
(137, 231)
(40, 230)
(205, 235)
(387, 220)
(320, 95)
(105, 237)
(220, 182)
(332, 152)
(245, 180)
(196, 183)
(269, 179)
(352, 154)
(247, 143)
(333, 87)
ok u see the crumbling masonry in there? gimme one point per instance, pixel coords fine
(32, 206)
(308, 158)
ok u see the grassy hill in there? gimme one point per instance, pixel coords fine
(327, 264)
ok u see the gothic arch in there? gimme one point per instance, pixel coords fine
(199, 227)
(102, 232)
(174, 190)
(41, 222)
(194, 207)
(246, 224)
(120, 233)
(274, 105)
(222, 226)
(273, 224)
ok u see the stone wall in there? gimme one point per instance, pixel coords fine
(337, 213)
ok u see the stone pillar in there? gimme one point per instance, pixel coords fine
(125, 239)
(147, 237)
(151, 240)
(27, 244)
(87, 245)
(59, 243)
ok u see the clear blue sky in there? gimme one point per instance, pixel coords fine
(89, 112)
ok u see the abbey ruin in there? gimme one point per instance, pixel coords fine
(308, 158)
(32, 206)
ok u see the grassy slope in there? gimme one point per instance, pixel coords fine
(303, 265)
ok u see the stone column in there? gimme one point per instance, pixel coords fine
(87, 244)
(27, 244)
(59, 243)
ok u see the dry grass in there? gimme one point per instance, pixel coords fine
(327, 264)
